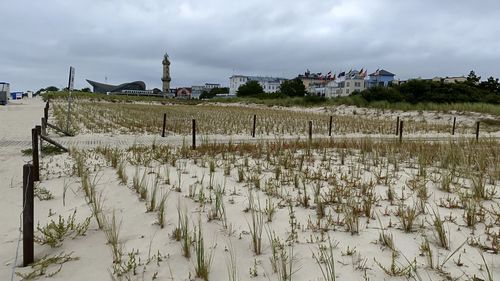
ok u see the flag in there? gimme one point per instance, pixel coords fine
(341, 74)
(361, 71)
(329, 76)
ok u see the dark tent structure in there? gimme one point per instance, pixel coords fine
(106, 88)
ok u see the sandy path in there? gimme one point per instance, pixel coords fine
(16, 121)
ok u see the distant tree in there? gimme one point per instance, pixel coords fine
(39, 91)
(214, 92)
(86, 90)
(472, 78)
(389, 94)
(51, 89)
(293, 88)
(249, 88)
(490, 85)
(416, 91)
(207, 95)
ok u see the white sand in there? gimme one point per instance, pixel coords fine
(139, 231)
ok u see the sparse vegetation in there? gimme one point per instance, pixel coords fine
(373, 195)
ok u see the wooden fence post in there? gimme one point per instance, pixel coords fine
(68, 119)
(28, 214)
(44, 126)
(397, 126)
(330, 126)
(477, 131)
(310, 130)
(34, 147)
(194, 134)
(164, 124)
(46, 111)
(39, 133)
(453, 129)
(254, 123)
(400, 130)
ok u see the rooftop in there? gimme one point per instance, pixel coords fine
(261, 78)
(382, 72)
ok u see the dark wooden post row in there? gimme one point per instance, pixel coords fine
(34, 147)
(254, 123)
(477, 130)
(194, 134)
(400, 130)
(310, 130)
(330, 126)
(164, 124)
(453, 129)
(397, 126)
(28, 214)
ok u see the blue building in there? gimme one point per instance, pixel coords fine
(380, 77)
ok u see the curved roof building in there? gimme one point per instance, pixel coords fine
(105, 88)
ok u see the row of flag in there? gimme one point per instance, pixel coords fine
(332, 76)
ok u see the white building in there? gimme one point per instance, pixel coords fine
(210, 86)
(269, 84)
(347, 84)
(450, 80)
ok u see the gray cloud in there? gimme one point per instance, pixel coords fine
(208, 40)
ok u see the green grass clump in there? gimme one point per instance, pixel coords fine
(46, 150)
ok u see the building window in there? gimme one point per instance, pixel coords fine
(347, 91)
(357, 84)
(347, 84)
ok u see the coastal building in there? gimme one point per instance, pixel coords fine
(380, 77)
(183, 93)
(313, 80)
(269, 84)
(316, 89)
(350, 82)
(316, 83)
(333, 90)
(210, 86)
(108, 88)
(196, 91)
(449, 80)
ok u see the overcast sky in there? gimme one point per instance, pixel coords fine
(208, 41)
